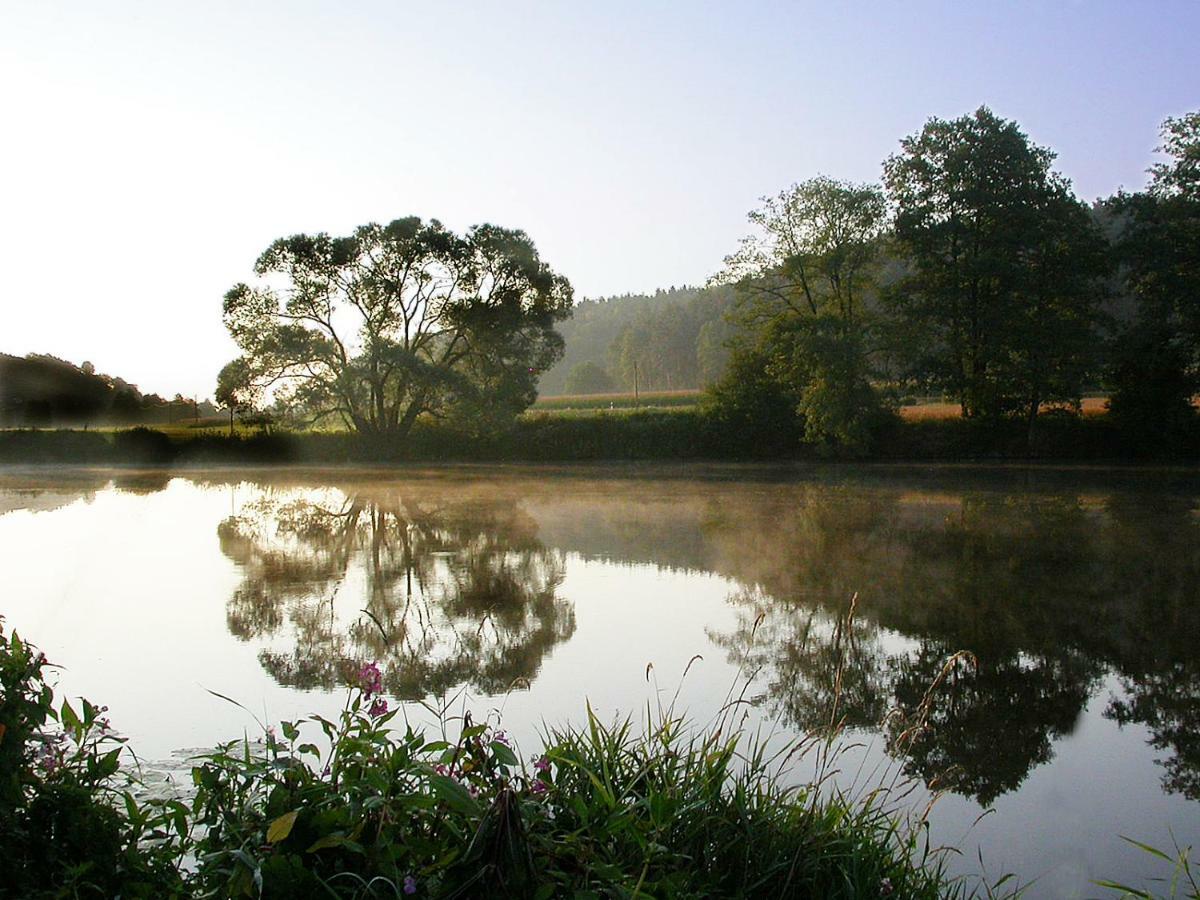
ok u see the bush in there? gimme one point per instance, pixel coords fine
(384, 812)
(143, 445)
(604, 810)
(65, 830)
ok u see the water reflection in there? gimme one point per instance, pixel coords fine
(1048, 593)
(445, 592)
(1055, 589)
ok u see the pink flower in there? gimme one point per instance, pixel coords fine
(370, 679)
(48, 757)
(441, 769)
(378, 708)
(501, 737)
(472, 790)
(542, 764)
(410, 884)
(540, 787)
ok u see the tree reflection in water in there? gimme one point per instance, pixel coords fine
(446, 593)
(1049, 593)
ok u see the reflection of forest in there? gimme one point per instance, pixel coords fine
(1048, 592)
(1051, 590)
(440, 593)
(41, 494)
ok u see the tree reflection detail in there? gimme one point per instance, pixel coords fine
(441, 592)
(1048, 592)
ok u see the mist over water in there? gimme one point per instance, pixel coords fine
(526, 592)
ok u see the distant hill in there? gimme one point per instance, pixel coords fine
(673, 339)
(40, 390)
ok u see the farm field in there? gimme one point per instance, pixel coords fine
(623, 400)
(1092, 406)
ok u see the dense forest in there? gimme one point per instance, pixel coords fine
(972, 272)
(673, 339)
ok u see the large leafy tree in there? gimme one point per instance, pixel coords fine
(1157, 359)
(804, 278)
(1000, 303)
(398, 320)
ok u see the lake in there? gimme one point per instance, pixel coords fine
(816, 594)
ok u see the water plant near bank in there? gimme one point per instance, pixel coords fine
(369, 805)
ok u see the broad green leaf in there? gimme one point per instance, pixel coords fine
(69, 717)
(330, 840)
(454, 794)
(282, 827)
(504, 753)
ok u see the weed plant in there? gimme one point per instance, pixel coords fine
(369, 806)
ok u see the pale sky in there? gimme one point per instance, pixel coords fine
(150, 151)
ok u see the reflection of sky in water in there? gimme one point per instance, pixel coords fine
(134, 591)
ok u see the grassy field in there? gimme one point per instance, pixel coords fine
(919, 412)
(646, 400)
(576, 403)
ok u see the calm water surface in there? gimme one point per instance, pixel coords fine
(524, 592)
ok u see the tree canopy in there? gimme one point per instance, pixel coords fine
(1001, 298)
(1156, 367)
(397, 320)
(803, 277)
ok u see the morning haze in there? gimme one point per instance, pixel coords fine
(629, 141)
(650, 450)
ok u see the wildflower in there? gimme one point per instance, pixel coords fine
(542, 764)
(410, 884)
(49, 756)
(441, 769)
(325, 771)
(473, 791)
(370, 679)
(540, 787)
(378, 708)
(501, 737)
(885, 888)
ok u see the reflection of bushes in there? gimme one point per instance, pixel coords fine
(1048, 590)
(1168, 703)
(986, 724)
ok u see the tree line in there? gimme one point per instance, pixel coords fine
(975, 272)
(674, 339)
(39, 390)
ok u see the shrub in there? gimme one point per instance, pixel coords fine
(65, 829)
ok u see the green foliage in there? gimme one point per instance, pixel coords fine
(236, 390)
(40, 390)
(804, 280)
(676, 337)
(453, 326)
(1156, 367)
(589, 378)
(999, 306)
(65, 827)
(604, 811)
(1153, 380)
(753, 408)
(360, 807)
